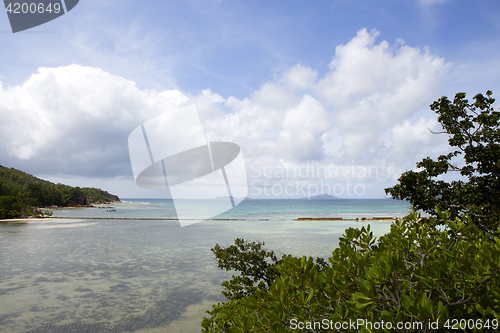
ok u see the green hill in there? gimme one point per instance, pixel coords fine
(21, 194)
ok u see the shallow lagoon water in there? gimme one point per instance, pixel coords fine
(121, 275)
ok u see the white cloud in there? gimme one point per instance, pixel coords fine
(300, 77)
(75, 120)
(372, 87)
(274, 95)
(417, 140)
(212, 97)
(303, 129)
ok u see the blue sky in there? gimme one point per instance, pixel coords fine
(233, 47)
(374, 66)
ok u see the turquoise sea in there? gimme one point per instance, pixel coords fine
(136, 270)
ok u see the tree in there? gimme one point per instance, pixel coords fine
(3, 190)
(12, 207)
(257, 267)
(474, 134)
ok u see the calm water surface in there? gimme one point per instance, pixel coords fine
(89, 274)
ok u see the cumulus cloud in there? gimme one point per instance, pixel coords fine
(303, 129)
(300, 77)
(362, 71)
(418, 139)
(75, 120)
(373, 87)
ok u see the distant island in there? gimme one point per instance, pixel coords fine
(321, 197)
(22, 195)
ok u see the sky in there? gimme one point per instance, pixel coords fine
(323, 97)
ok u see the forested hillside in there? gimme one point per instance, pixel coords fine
(21, 194)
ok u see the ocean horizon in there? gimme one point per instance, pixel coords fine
(249, 209)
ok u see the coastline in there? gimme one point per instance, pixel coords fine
(41, 219)
(298, 212)
(90, 205)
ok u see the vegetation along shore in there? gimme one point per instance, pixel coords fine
(23, 195)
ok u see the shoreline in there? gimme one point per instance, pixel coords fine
(91, 205)
(41, 219)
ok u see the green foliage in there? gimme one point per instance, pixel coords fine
(257, 267)
(3, 189)
(11, 207)
(474, 134)
(95, 195)
(43, 195)
(20, 192)
(418, 272)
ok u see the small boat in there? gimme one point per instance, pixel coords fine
(111, 210)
